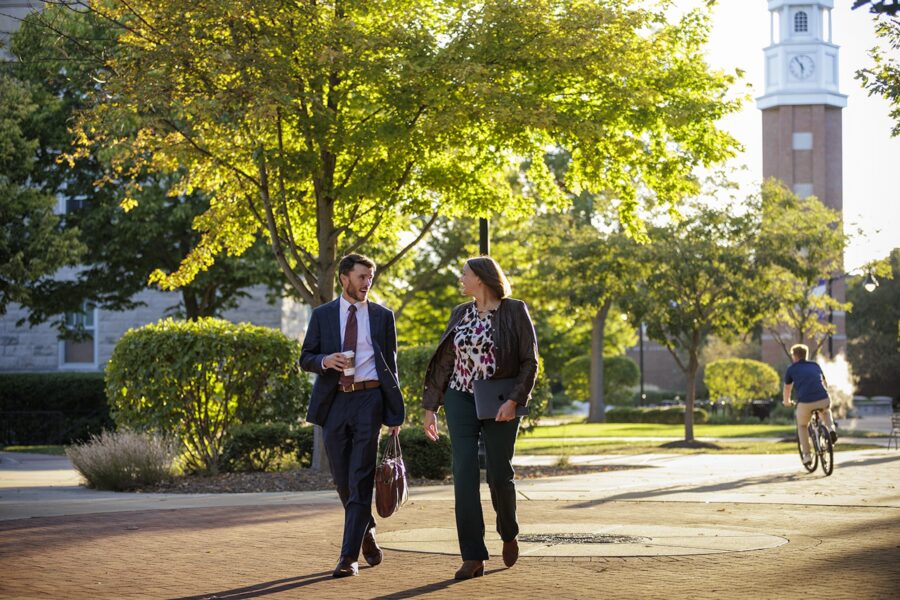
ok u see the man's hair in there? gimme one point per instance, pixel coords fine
(351, 260)
(491, 275)
(801, 351)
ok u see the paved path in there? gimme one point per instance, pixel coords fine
(843, 531)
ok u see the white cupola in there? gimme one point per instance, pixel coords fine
(801, 60)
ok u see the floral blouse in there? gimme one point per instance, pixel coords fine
(474, 346)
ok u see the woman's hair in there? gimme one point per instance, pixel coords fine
(491, 275)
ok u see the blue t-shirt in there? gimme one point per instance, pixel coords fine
(808, 381)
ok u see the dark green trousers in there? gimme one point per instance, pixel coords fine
(499, 444)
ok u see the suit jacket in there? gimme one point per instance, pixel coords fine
(323, 337)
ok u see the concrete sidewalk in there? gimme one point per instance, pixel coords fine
(734, 526)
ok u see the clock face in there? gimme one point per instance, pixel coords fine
(802, 66)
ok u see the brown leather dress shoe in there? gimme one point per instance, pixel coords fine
(510, 552)
(370, 550)
(470, 569)
(346, 567)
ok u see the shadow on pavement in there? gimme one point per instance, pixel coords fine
(263, 589)
(422, 589)
(720, 486)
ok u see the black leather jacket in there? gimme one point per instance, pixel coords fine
(515, 352)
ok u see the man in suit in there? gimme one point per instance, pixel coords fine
(351, 408)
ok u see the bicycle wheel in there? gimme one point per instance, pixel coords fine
(826, 449)
(815, 457)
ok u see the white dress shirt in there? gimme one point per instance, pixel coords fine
(365, 351)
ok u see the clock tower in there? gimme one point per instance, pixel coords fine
(801, 119)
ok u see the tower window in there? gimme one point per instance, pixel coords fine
(801, 22)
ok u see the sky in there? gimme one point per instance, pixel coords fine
(871, 191)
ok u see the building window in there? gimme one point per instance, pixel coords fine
(801, 22)
(803, 190)
(803, 140)
(81, 351)
(76, 204)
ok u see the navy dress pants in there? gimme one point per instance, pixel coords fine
(351, 442)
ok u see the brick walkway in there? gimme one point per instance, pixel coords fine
(837, 551)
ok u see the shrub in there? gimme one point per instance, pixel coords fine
(620, 375)
(422, 457)
(412, 362)
(52, 408)
(740, 380)
(124, 460)
(263, 446)
(198, 379)
(669, 416)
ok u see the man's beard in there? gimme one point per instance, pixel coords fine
(356, 294)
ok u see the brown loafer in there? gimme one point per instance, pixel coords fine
(510, 552)
(346, 567)
(370, 550)
(470, 569)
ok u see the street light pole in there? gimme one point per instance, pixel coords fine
(484, 242)
(830, 320)
(641, 358)
(869, 285)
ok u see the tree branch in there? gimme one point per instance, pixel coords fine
(409, 246)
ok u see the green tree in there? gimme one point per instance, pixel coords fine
(872, 333)
(740, 380)
(124, 248)
(802, 245)
(883, 76)
(890, 7)
(33, 245)
(329, 126)
(704, 281)
(586, 270)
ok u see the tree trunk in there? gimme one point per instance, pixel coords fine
(597, 413)
(191, 309)
(693, 366)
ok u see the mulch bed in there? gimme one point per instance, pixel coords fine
(305, 480)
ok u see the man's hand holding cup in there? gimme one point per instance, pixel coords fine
(341, 361)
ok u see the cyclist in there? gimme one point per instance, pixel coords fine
(812, 394)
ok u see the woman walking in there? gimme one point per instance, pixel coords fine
(491, 337)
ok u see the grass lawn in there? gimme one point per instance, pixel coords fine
(575, 446)
(55, 450)
(581, 430)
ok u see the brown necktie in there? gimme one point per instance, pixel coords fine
(349, 341)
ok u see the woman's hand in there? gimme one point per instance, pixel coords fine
(507, 411)
(431, 426)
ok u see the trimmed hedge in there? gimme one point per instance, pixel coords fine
(422, 457)
(620, 375)
(740, 380)
(260, 446)
(199, 379)
(668, 416)
(52, 408)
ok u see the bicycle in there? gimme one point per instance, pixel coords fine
(822, 450)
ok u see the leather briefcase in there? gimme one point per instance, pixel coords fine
(391, 487)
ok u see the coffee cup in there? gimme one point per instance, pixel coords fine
(350, 369)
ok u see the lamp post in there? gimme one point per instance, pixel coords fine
(869, 285)
(484, 242)
(641, 358)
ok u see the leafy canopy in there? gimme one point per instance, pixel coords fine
(329, 126)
